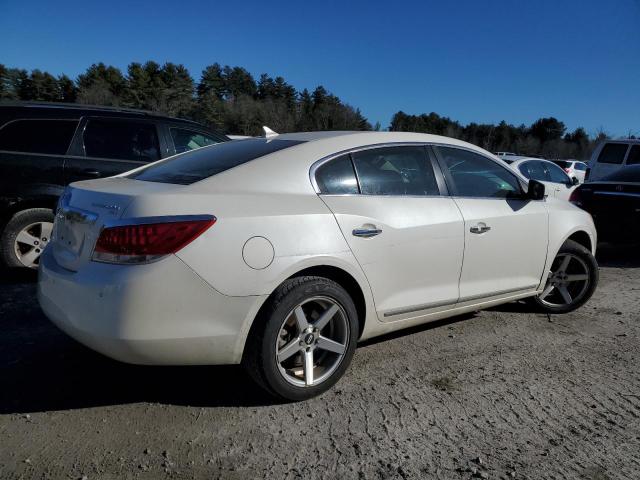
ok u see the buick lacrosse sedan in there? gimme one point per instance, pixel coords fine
(281, 253)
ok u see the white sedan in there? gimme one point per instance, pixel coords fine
(281, 253)
(556, 181)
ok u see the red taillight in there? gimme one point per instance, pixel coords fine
(567, 170)
(147, 242)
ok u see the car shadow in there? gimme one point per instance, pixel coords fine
(42, 369)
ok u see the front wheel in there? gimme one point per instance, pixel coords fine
(572, 280)
(304, 341)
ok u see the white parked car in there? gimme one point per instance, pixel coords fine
(612, 155)
(556, 181)
(281, 253)
(574, 168)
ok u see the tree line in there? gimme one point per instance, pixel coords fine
(546, 137)
(226, 98)
(232, 100)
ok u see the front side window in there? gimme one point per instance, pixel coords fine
(337, 177)
(613, 153)
(121, 139)
(556, 174)
(634, 155)
(395, 171)
(185, 140)
(474, 175)
(533, 170)
(196, 165)
(38, 136)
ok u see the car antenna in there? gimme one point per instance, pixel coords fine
(268, 133)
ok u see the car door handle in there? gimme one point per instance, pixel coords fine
(480, 228)
(366, 232)
(91, 173)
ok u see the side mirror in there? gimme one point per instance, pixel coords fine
(535, 190)
(575, 181)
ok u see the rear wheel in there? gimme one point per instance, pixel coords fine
(25, 236)
(572, 280)
(304, 341)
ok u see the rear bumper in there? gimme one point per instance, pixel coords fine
(157, 314)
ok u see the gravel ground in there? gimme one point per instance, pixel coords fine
(504, 393)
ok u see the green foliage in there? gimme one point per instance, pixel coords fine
(229, 99)
(543, 138)
(226, 98)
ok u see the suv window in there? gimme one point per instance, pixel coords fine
(121, 139)
(533, 170)
(562, 163)
(395, 171)
(337, 177)
(612, 153)
(185, 140)
(474, 175)
(634, 155)
(38, 136)
(202, 163)
(580, 166)
(556, 174)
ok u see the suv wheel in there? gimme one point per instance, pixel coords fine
(25, 236)
(305, 340)
(572, 280)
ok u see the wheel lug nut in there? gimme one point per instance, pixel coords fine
(301, 343)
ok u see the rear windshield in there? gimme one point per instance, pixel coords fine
(613, 153)
(205, 162)
(562, 163)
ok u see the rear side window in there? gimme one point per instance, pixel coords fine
(533, 170)
(474, 175)
(395, 171)
(613, 153)
(185, 140)
(121, 139)
(38, 136)
(196, 165)
(580, 166)
(634, 155)
(563, 164)
(556, 174)
(337, 177)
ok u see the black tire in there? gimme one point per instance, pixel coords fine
(259, 357)
(572, 248)
(15, 225)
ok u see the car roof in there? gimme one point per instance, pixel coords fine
(11, 109)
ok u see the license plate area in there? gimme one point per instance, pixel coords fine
(72, 227)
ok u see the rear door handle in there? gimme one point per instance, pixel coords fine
(480, 228)
(91, 173)
(366, 232)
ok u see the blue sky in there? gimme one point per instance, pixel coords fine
(482, 61)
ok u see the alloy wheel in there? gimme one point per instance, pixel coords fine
(312, 341)
(31, 241)
(568, 281)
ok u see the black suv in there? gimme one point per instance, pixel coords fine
(44, 147)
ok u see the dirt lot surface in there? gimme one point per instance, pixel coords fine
(504, 393)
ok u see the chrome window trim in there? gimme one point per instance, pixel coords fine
(314, 167)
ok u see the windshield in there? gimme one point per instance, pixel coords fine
(196, 165)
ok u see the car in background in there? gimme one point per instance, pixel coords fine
(281, 253)
(612, 155)
(573, 168)
(44, 147)
(614, 204)
(557, 183)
